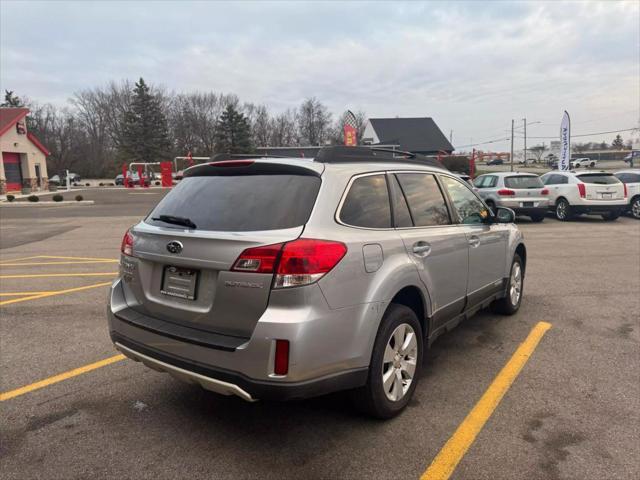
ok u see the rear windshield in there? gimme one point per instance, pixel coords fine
(240, 203)
(599, 178)
(523, 181)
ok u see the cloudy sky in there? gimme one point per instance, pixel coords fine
(472, 66)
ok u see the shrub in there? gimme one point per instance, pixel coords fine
(11, 198)
(157, 184)
(101, 184)
(87, 184)
(112, 184)
(33, 198)
(57, 198)
(79, 198)
(456, 164)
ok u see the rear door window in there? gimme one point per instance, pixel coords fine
(367, 203)
(523, 181)
(401, 215)
(426, 202)
(240, 203)
(598, 178)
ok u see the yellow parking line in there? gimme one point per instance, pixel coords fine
(22, 294)
(78, 258)
(52, 294)
(447, 460)
(45, 275)
(19, 259)
(59, 378)
(97, 259)
(31, 264)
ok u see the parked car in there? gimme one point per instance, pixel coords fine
(572, 193)
(631, 180)
(61, 179)
(330, 278)
(524, 193)
(495, 161)
(583, 162)
(133, 177)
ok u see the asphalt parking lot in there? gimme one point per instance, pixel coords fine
(573, 412)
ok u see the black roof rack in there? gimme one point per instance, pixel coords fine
(343, 154)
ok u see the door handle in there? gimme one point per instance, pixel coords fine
(474, 241)
(421, 249)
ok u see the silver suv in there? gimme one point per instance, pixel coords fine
(524, 193)
(283, 278)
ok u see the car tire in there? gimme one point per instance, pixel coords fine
(563, 210)
(537, 218)
(610, 216)
(635, 208)
(374, 398)
(510, 303)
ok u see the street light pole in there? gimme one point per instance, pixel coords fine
(525, 140)
(511, 155)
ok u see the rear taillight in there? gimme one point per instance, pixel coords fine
(127, 244)
(545, 191)
(505, 192)
(305, 261)
(296, 263)
(258, 259)
(582, 189)
(281, 360)
(625, 190)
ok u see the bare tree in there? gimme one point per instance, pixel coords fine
(314, 122)
(537, 151)
(283, 130)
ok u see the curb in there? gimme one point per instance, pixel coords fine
(66, 203)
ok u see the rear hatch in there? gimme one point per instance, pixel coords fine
(602, 186)
(527, 190)
(185, 249)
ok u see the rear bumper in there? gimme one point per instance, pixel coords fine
(328, 351)
(226, 382)
(599, 208)
(531, 211)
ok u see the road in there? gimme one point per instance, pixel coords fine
(572, 412)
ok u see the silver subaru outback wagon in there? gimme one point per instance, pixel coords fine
(284, 278)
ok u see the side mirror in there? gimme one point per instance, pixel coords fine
(504, 215)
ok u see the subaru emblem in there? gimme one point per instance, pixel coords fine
(174, 247)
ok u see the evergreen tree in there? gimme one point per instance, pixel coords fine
(11, 100)
(233, 134)
(618, 143)
(145, 132)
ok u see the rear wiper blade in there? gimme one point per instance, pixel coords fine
(185, 222)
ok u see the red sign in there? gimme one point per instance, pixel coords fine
(350, 139)
(166, 168)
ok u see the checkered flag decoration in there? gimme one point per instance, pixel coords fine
(350, 129)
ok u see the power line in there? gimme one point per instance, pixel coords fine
(591, 134)
(484, 143)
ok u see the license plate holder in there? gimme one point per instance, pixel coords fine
(607, 196)
(179, 282)
(527, 204)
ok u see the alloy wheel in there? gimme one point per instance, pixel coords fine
(635, 208)
(515, 286)
(399, 362)
(561, 210)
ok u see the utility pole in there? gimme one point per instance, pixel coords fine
(525, 140)
(451, 137)
(511, 155)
